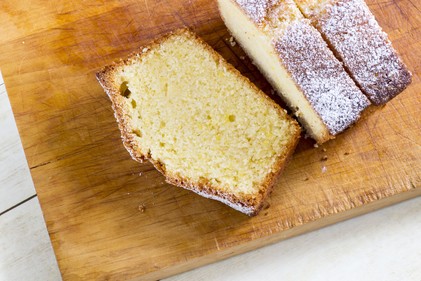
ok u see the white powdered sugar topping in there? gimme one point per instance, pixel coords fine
(256, 9)
(358, 40)
(321, 77)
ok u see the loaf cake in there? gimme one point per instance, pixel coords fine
(203, 125)
(295, 59)
(357, 39)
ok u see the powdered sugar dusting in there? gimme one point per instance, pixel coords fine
(256, 9)
(321, 77)
(354, 33)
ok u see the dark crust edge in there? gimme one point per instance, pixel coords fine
(247, 204)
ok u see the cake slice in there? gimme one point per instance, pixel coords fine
(357, 39)
(203, 125)
(298, 63)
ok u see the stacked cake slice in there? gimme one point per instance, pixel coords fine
(293, 56)
(357, 39)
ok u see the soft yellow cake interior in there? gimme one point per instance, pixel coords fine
(257, 39)
(197, 116)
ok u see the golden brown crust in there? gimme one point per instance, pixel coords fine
(248, 204)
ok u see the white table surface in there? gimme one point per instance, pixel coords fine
(383, 245)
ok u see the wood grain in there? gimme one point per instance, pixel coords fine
(89, 188)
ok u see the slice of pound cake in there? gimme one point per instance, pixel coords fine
(357, 39)
(203, 125)
(296, 60)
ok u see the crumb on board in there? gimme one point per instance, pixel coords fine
(142, 208)
(306, 178)
(140, 174)
(324, 158)
(242, 57)
(324, 169)
(346, 153)
(316, 145)
(232, 41)
(324, 149)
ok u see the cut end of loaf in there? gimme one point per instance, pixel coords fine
(297, 62)
(199, 121)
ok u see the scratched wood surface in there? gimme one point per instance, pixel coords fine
(89, 188)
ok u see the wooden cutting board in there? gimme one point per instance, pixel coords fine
(111, 218)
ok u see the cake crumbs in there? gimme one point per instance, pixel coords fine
(306, 178)
(324, 158)
(324, 169)
(316, 145)
(346, 153)
(232, 41)
(144, 50)
(140, 174)
(142, 208)
(324, 149)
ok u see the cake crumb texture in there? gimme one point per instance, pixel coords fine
(199, 121)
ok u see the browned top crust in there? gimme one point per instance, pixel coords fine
(248, 204)
(367, 53)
